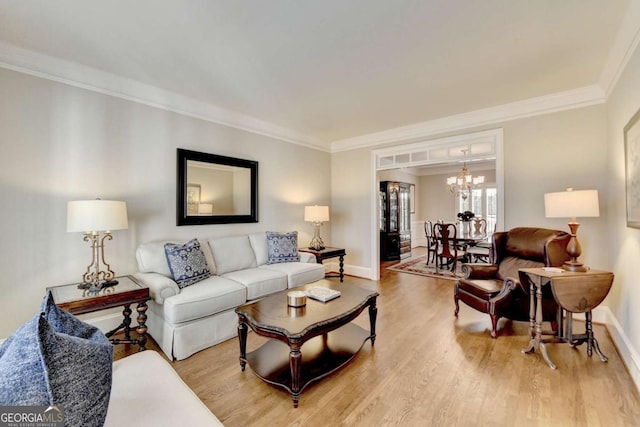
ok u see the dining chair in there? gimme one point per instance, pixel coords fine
(446, 245)
(479, 226)
(431, 241)
(480, 251)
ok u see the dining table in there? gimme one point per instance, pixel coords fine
(465, 239)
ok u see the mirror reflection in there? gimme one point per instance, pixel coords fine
(216, 189)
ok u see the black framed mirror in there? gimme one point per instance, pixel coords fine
(213, 189)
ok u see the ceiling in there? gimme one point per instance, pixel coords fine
(321, 73)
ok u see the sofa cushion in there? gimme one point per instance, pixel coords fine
(232, 254)
(484, 289)
(283, 247)
(260, 247)
(56, 359)
(186, 262)
(259, 282)
(298, 273)
(164, 399)
(210, 296)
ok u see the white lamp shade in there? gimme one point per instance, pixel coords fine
(571, 204)
(316, 213)
(96, 215)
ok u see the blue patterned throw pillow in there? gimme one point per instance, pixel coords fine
(56, 359)
(282, 247)
(187, 263)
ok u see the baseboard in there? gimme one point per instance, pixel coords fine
(628, 353)
(107, 322)
(349, 270)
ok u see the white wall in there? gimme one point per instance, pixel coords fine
(60, 143)
(433, 187)
(623, 245)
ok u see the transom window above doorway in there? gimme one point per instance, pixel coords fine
(480, 145)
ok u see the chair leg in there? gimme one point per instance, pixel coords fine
(494, 326)
(455, 300)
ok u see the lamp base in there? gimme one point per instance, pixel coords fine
(316, 243)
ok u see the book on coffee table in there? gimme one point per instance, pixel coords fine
(322, 294)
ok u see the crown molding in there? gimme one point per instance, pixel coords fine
(567, 100)
(624, 45)
(74, 74)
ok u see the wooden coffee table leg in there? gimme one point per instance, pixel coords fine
(373, 314)
(242, 337)
(295, 363)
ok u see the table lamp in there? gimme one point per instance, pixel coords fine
(572, 204)
(97, 219)
(317, 215)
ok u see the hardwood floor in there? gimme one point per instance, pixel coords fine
(427, 369)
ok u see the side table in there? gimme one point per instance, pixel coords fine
(575, 292)
(328, 252)
(128, 291)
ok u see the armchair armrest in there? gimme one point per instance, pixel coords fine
(307, 257)
(508, 285)
(479, 271)
(160, 286)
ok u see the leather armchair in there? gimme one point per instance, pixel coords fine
(495, 289)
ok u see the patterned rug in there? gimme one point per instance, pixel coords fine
(417, 266)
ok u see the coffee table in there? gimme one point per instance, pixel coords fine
(330, 339)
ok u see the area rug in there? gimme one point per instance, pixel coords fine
(417, 266)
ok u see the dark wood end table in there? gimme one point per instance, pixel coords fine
(128, 291)
(575, 292)
(325, 253)
(330, 339)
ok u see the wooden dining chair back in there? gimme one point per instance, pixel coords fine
(480, 226)
(446, 248)
(431, 241)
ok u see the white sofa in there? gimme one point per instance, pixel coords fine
(146, 391)
(185, 321)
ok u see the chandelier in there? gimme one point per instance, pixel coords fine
(464, 182)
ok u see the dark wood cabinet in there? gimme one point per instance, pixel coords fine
(395, 220)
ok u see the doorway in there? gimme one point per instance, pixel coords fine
(484, 146)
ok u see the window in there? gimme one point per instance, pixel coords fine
(483, 202)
